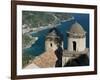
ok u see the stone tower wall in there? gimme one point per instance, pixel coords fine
(80, 44)
(50, 45)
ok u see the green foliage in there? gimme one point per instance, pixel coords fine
(63, 16)
(26, 40)
(37, 19)
(26, 59)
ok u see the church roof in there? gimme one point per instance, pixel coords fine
(53, 33)
(77, 28)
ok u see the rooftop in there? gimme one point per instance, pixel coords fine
(54, 33)
(77, 28)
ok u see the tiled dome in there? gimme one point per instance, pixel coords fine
(77, 29)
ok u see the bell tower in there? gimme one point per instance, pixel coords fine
(76, 38)
(52, 40)
(76, 43)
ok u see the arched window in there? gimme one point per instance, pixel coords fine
(74, 45)
(51, 44)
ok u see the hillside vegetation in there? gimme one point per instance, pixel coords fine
(37, 19)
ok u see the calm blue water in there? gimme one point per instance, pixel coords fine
(39, 45)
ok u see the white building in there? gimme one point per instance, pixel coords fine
(76, 38)
(76, 43)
